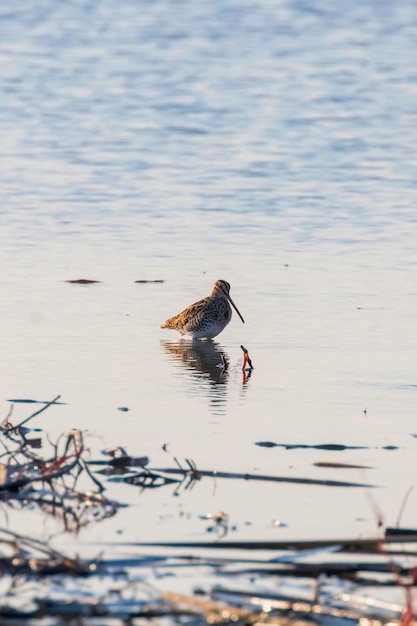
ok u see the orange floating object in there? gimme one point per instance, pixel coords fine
(246, 359)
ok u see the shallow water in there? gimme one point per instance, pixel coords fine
(268, 144)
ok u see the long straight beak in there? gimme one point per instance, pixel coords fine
(235, 307)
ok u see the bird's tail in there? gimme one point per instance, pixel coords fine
(168, 323)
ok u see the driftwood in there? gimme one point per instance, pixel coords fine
(191, 474)
(372, 545)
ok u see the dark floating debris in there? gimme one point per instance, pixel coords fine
(150, 480)
(400, 532)
(341, 465)
(34, 442)
(119, 458)
(337, 447)
(123, 408)
(303, 446)
(191, 475)
(144, 281)
(371, 545)
(82, 281)
(30, 401)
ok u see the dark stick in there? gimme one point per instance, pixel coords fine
(36, 413)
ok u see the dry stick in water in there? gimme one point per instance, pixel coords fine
(7, 418)
(404, 502)
(36, 413)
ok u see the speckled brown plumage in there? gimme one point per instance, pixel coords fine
(207, 317)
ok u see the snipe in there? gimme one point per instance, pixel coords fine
(207, 317)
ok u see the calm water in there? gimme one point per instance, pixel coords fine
(272, 144)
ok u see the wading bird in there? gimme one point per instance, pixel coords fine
(207, 317)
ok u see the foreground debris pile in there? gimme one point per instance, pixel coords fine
(51, 482)
(244, 582)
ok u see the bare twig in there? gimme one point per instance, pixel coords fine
(403, 503)
(13, 428)
(84, 465)
(7, 418)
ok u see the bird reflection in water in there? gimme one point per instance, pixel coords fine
(207, 364)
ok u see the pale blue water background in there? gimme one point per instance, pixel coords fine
(271, 144)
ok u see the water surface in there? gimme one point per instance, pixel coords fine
(268, 144)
